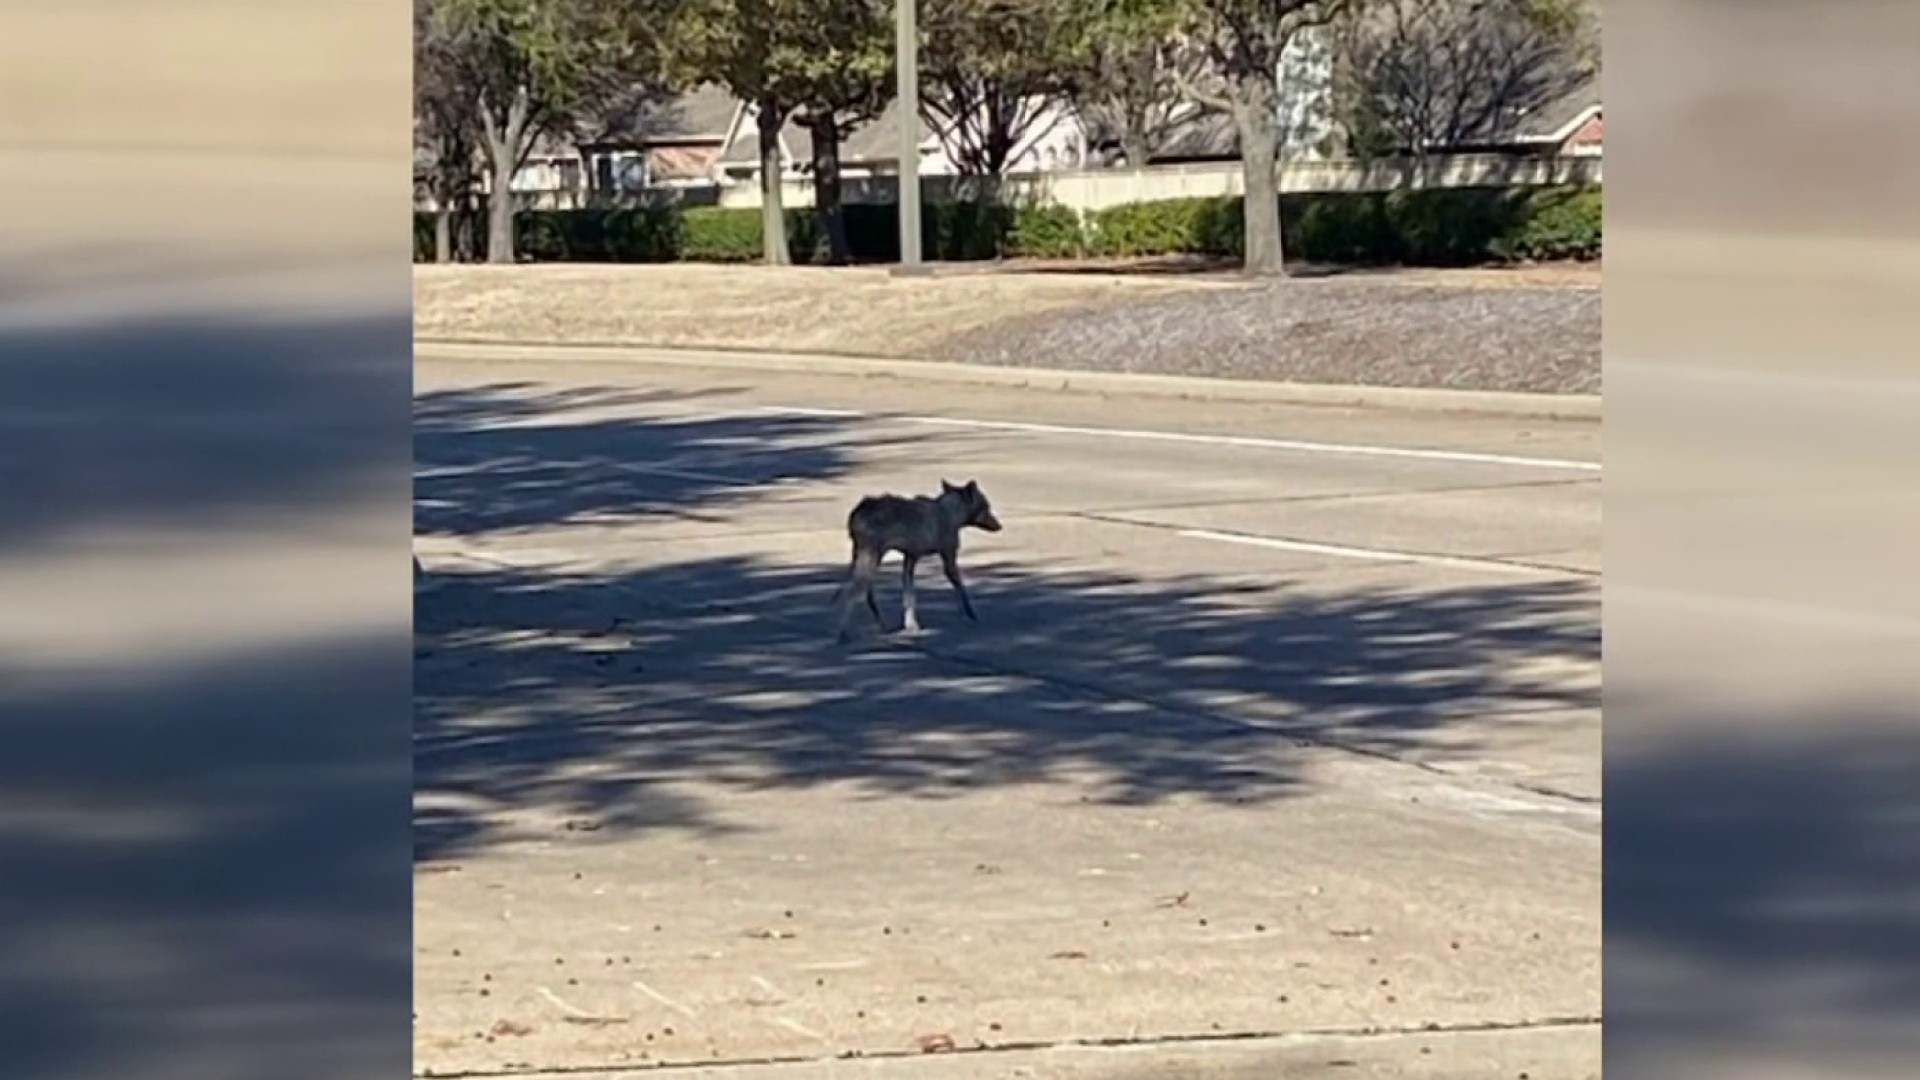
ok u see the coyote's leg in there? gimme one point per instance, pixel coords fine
(912, 614)
(951, 564)
(859, 583)
(873, 605)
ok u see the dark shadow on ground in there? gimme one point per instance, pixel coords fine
(206, 866)
(1146, 266)
(1761, 889)
(507, 456)
(596, 696)
(600, 696)
(161, 423)
(202, 848)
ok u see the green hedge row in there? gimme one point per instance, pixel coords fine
(1444, 227)
(1447, 227)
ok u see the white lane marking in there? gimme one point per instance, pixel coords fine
(563, 1005)
(834, 965)
(662, 998)
(799, 1029)
(1250, 441)
(1381, 554)
(801, 410)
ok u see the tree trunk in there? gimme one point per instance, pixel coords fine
(1133, 143)
(507, 144)
(831, 247)
(466, 239)
(442, 231)
(773, 215)
(1258, 124)
(500, 239)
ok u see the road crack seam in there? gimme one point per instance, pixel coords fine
(1390, 1031)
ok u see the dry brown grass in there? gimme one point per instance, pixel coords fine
(857, 311)
(1543, 276)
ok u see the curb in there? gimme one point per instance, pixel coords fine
(1485, 402)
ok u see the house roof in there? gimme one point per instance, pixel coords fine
(704, 114)
(1558, 119)
(877, 140)
(745, 147)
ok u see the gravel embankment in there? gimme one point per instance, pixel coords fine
(1543, 340)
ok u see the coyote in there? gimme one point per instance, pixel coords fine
(916, 528)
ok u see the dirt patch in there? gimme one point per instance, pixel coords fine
(1384, 330)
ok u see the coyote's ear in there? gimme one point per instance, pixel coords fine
(945, 486)
(973, 487)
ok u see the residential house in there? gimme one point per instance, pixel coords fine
(704, 142)
(709, 139)
(1307, 131)
(1568, 126)
(676, 143)
(872, 149)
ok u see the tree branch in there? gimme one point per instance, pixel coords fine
(1190, 89)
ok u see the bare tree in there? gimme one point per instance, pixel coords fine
(445, 127)
(992, 78)
(533, 68)
(1128, 64)
(1247, 42)
(850, 82)
(826, 64)
(1420, 75)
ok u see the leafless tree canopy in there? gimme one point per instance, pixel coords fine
(1427, 74)
(1133, 89)
(990, 78)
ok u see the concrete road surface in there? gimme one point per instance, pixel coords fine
(1275, 751)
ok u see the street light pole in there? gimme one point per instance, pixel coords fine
(906, 52)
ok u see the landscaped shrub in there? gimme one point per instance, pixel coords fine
(1432, 227)
(720, 234)
(1343, 229)
(1047, 232)
(1562, 223)
(1436, 227)
(1162, 227)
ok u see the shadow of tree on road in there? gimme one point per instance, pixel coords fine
(1763, 868)
(631, 698)
(598, 696)
(513, 456)
(203, 832)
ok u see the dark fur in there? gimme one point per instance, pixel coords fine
(916, 527)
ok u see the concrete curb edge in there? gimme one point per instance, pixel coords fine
(1537, 406)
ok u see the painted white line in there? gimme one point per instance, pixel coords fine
(662, 998)
(801, 410)
(799, 1029)
(834, 965)
(563, 1005)
(1249, 441)
(1344, 551)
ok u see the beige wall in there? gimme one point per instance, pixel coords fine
(1096, 189)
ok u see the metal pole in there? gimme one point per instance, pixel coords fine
(906, 46)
